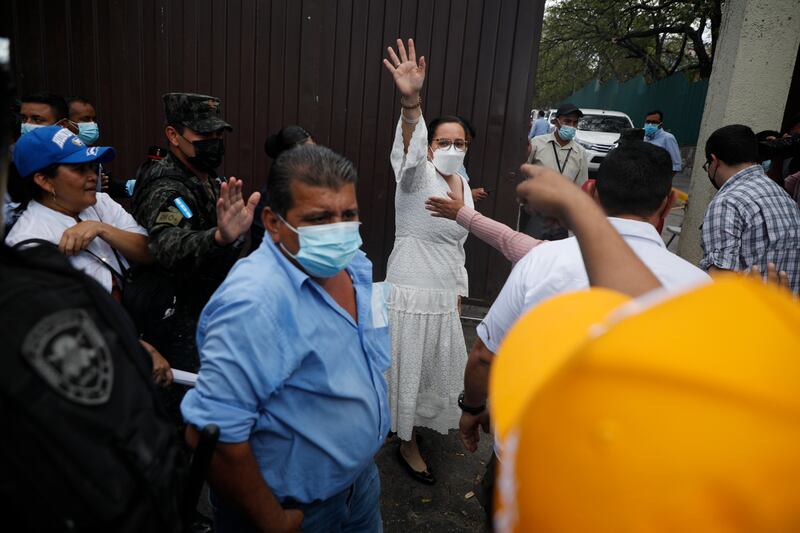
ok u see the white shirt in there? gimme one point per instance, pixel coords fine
(40, 222)
(557, 267)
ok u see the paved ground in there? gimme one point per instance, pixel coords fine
(408, 505)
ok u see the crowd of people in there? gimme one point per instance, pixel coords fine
(305, 364)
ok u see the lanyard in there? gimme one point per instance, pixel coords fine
(558, 162)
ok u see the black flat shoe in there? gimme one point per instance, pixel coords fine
(425, 476)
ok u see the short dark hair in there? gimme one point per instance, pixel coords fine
(284, 139)
(80, 100)
(447, 119)
(656, 112)
(55, 101)
(733, 145)
(541, 112)
(634, 179)
(310, 164)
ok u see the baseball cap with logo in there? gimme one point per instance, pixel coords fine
(664, 413)
(52, 145)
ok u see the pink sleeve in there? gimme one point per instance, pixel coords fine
(512, 244)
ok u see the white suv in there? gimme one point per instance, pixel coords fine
(598, 132)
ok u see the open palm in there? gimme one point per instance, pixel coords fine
(408, 74)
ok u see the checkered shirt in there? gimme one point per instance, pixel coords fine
(752, 221)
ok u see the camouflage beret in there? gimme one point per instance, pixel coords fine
(196, 111)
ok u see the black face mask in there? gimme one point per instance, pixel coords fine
(208, 153)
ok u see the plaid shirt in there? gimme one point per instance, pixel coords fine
(752, 221)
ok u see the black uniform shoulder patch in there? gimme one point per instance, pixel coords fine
(70, 354)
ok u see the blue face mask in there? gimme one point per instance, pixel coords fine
(566, 132)
(650, 130)
(326, 250)
(88, 132)
(26, 127)
(766, 165)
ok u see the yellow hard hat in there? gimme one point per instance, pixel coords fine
(663, 414)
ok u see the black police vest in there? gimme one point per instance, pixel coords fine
(84, 444)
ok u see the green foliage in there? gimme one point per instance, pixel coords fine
(619, 39)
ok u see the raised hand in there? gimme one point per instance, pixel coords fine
(234, 216)
(408, 74)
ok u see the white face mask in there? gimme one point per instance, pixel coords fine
(448, 161)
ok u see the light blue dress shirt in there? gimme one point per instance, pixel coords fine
(540, 127)
(286, 368)
(667, 141)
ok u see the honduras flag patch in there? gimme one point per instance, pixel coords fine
(182, 207)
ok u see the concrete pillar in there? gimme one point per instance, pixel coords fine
(749, 85)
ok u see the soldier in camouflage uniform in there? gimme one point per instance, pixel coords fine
(196, 220)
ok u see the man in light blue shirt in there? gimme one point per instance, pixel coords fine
(540, 126)
(293, 349)
(654, 133)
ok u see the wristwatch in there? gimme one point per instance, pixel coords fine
(469, 408)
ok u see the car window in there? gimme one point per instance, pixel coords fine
(604, 123)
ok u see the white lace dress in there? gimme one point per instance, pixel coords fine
(427, 275)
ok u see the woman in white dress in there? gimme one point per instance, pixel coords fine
(426, 268)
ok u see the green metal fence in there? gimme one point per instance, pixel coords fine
(681, 101)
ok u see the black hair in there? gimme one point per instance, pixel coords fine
(656, 112)
(447, 119)
(468, 127)
(634, 179)
(55, 101)
(23, 189)
(80, 100)
(733, 145)
(762, 135)
(541, 112)
(794, 121)
(310, 164)
(284, 139)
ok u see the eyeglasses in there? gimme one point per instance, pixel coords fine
(460, 144)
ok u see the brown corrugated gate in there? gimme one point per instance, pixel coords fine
(312, 62)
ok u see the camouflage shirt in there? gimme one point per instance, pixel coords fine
(178, 209)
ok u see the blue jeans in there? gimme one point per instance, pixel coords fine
(354, 510)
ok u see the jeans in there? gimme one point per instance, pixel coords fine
(354, 510)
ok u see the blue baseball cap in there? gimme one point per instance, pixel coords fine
(51, 145)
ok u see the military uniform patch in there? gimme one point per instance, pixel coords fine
(70, 354)
(171, 216)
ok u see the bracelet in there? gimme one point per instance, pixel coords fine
(473, 410)
(408, 120)
(406, 106)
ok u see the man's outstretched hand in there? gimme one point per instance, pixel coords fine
(234, 216)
